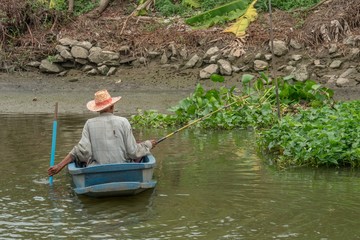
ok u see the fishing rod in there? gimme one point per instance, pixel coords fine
(200, 119)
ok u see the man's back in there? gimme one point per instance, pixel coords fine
(110, 137)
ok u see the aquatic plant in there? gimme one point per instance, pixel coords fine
(257, 110)
(326, 136)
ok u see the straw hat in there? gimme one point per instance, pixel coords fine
(102, 100)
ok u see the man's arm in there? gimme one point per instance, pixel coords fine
(58, 167)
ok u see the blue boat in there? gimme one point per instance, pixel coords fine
(113, 179)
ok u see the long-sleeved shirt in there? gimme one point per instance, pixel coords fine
(109, 139)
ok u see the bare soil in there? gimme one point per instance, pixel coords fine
(151, 86)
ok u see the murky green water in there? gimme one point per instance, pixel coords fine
(211, 185)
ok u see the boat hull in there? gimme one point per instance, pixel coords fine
(114, 179)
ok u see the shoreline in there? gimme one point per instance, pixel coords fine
(146, 89)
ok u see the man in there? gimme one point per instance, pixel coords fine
(106, 138)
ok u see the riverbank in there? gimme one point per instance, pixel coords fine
(155, 85)
(146, 88)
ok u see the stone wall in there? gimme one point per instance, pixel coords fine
(335, 63)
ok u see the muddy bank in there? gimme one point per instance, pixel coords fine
(38, 93)
(146, 88)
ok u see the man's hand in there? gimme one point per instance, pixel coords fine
(153, 142)
(57, 168)
(54, 170)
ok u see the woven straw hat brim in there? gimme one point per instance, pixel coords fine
(94, 108)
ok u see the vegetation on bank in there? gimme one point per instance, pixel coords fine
(187, 7)
(20, 16)
(313, 130)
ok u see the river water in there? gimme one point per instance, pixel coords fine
(211, 185)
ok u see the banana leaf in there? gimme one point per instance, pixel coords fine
(220, 14)
(240, 26)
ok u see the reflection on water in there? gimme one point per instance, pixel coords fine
(211, 185)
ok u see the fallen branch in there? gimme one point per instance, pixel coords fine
(136, 11)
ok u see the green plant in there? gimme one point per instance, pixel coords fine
(286, 5)
(168, 8)
(51, 58)
(327, 136)
(257, 110)
(84, 6)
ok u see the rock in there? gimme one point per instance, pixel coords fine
(173, 50)
(103, 70)
(116, 63)
(81, 61)
(290, 69)
(282, 67)
(211, 51)
(49, 67)
(235, 69)
(331, 78)
(258, 56)
(268, 57)
(164, 59)
(79, 52)
(87, 68)
(192, 62)
(35, 64)
(295, 45)
(225, 67)
(68, 42)
(230, 57)
(280, 48)
(84, 44)
(350, 72)
(60, 48)
(62, 74)
(153, 55)
(208, 71)
(260, 65)
(95, 49)
(127, 60)
(66, 55)
(103, 56)
(184, 54)
(336, 64)
(301, 74)
(317, 62)
(142, 60)
(58, 59)
(296, 57)
(214, 58)
(333, 48)
(92, 72)
(343, 82)
(111, 71)
(291, 63)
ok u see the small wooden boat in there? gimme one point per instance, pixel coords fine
(114, 179)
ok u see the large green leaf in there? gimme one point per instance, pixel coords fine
(227, 12)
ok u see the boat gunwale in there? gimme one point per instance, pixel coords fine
(113, 167)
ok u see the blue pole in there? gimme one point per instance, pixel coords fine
(53, 143)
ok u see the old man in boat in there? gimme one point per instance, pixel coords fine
(106, 138)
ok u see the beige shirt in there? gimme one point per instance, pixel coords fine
(109, 139)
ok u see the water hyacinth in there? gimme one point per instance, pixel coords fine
(327, 136)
